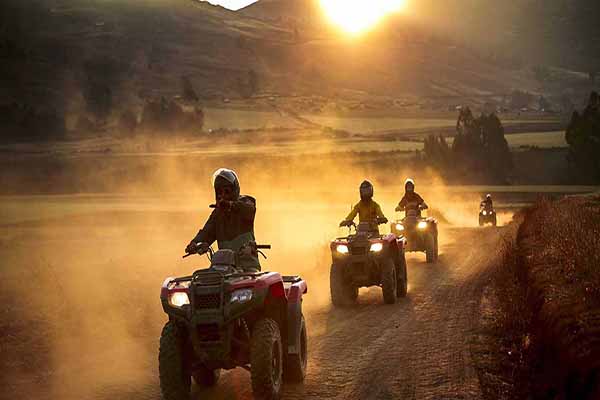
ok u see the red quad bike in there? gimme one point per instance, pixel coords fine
(487, 215)
(225, 317)
(365, 259)
(421, 233)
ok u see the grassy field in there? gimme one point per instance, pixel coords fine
(538, 139)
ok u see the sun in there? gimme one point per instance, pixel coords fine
(356, 16)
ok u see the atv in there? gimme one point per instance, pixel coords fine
(487, 215)
(366, 258)
(421, 233)
(225, 317)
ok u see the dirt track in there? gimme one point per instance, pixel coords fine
(416, 349)
(99, 318)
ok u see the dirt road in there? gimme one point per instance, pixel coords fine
(416, 349)
(87, 326)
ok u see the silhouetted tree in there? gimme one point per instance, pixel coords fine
(101, 76)
(479, 149)
(583, 137)
(189, 94)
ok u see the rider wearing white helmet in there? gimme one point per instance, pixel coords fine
(411, 199)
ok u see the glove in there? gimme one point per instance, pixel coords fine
(225, 205)
(191, 248)
(383, 220)
(344, 223)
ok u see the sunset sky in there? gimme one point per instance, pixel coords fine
(232, 4)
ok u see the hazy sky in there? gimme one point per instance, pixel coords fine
(232, 4)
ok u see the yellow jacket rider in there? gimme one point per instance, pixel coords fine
(367, 209)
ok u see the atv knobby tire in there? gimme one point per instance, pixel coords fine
(388, 281)
(431, 252)
(402, 278)
(266, 360)
(295, 364)
(342, 291)
(207, 377)
(175, 380)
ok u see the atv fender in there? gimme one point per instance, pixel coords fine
(294, 311)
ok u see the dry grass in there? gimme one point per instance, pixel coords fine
(548, 291)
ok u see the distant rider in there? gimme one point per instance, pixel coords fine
(411, 200)
(231, 223)
(488, 204)
(367, 209)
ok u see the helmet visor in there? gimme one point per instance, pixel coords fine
(227, 174)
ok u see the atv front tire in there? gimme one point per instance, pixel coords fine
(402, 279)
(295, 365)
(388, 281)
(207, 377)
(430, 252)
(266, 360)
(342, 291)
(175, 380)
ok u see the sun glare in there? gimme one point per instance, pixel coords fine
(356, 16)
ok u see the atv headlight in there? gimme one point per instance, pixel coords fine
(241, 296)
(422, 225)
(484, 212)
(342, 249)
(399, 227)
(376, 247)
(179, 299)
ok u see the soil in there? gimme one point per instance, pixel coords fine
(419, 348)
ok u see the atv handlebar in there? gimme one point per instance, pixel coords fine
(263, 246)
(201, 248)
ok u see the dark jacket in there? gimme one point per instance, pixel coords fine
(232, 229)
(488, 204)
(410, 198)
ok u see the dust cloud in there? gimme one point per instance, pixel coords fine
(88, 268)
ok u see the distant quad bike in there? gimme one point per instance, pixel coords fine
(487, 215)
(366, 258)
(225, 317)
(421, 233)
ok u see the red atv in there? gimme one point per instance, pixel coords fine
(225, 317)
(421, 233)
(366, 258)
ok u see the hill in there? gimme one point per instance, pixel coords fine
(81, 56)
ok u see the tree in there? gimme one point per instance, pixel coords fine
(101, 76)
(189, 94)
(583, 137)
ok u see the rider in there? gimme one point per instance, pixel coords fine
(488, 203)
(411, 199)
(367, 209)
(231, 223)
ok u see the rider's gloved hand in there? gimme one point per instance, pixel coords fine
(344, 223)
(225, 205)
(191, 248)
(383, 220)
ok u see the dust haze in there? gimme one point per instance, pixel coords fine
(87, 269)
